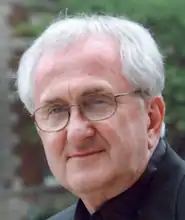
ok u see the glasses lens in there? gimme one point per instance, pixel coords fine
(98, 107)
(52, 118)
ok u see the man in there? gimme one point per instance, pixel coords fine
(94, 87)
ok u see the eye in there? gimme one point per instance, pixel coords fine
(98, 101)
(94, 101)
(57, 109)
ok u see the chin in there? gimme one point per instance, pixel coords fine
(85, 183)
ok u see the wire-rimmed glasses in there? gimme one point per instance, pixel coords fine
(93, 107)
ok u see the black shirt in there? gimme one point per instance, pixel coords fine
(128, 204)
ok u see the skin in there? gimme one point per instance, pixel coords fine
(113, 152)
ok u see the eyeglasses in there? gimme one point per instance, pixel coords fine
(94, 107)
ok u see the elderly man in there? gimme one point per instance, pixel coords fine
(93, 85)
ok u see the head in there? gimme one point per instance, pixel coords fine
(85, 62)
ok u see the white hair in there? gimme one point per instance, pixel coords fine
(142, 62)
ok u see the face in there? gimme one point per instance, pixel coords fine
(88, 155)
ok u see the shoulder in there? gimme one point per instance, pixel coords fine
(181, 200)
(178, 181)
(66, 214)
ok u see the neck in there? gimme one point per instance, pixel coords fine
(94, 199)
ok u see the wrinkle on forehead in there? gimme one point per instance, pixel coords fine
(73, 90)
(93, 58)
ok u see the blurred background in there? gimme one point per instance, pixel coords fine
(28, 191)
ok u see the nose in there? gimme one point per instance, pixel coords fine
(79, 129)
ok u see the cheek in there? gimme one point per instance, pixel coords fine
(54, 147)
(117, 136)
(124, 132)
(127, 141)
(118, 128)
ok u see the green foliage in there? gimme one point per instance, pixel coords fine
(33, 29)
(165, 19)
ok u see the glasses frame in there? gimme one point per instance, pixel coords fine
(139, 92)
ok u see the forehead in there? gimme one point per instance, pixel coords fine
(91, 63)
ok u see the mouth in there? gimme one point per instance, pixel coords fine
(85, 154)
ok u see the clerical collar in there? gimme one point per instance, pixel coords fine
(127, 205)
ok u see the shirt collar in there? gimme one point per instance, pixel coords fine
(127, 205)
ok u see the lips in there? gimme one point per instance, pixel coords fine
(85, 154)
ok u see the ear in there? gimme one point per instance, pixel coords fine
(156, 112)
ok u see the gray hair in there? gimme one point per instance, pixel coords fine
(142, 62)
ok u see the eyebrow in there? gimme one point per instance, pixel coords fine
(54, 101)
(94, 91)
